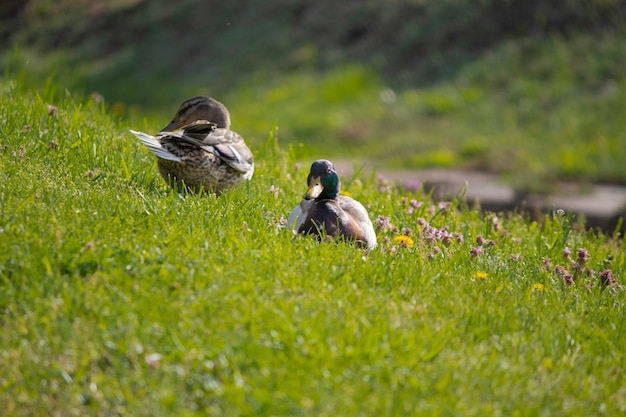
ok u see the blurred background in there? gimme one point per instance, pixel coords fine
(531, 90)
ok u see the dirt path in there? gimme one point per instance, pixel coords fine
(599, 205)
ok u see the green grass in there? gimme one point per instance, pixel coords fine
(119, 297)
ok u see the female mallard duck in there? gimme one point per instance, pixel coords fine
(198, 148)
(324, 212)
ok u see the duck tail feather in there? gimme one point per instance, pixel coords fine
(155, 147)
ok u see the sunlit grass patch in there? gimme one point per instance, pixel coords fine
(119, 296)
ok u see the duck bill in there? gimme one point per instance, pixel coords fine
(315, 189)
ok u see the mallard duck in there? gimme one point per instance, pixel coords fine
(323, 211)
(198, 148)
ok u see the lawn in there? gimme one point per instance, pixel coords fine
(120, 297)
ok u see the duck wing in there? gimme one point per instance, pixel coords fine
(223, 143)
(197, 130)
(299, 215)
(153, 144)
(358, 213)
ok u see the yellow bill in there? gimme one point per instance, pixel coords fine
(315, 188)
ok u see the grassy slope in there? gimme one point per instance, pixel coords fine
(531, 112)
(119, 297)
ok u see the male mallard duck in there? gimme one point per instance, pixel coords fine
(198, 148)
(324, 212)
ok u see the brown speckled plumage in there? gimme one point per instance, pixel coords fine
(199, 150)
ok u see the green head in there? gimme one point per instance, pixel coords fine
(323, 181)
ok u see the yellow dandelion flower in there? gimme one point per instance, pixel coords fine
(346, 193)
(404, 240)
(547, 364)
(480, 275)
(537, 286)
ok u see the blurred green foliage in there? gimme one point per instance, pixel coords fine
(529, 89)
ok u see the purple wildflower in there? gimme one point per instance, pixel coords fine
(496, 225)
(583, 255)
(383, 223)
(566, 252)
(480, 240)
(568, 279)
(414, 204)
(52, 111)
(607, 279)
(446, 238)
(444, 206)
(476, 251)
(384, 185)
